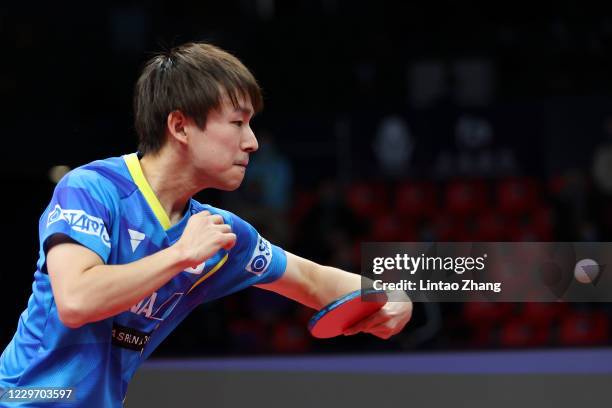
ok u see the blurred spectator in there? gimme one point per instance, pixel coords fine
(329, 230)
(267, 191)
(393, 146)
(572, 218)
(269, 179)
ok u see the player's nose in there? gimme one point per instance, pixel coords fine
(249, 141)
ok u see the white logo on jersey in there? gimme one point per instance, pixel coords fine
(196, 270)
(136, 238)
(80, 221)
(261, 257)
(147, 306)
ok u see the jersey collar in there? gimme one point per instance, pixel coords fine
(133, 165)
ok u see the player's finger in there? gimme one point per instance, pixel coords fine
(382, 333)
(223, 228)
(387, 327)
(370, 321)
(229, 241)
(216, 219)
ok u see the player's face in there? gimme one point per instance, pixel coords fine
(220, 152)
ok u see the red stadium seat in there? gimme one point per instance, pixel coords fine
(536, 225)
(391, 228)
(539, 312)
(517, 195)
(556, 184)
(521, 332)
(584, 329)
(290, 337)
(367, 199)
(466, 197)
(416, 199)
(477, 313)
(446, 228)
(542, 219)
(450, 227)
(490, 226)
(304, 201)
(484, 335)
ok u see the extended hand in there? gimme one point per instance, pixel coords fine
(385, 323)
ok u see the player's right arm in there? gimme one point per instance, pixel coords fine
(87, 290)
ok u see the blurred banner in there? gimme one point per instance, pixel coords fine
(490, 271)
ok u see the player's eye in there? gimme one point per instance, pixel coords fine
(238, 123)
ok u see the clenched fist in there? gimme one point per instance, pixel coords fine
(204, 236)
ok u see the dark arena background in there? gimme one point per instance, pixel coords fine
(383, 121)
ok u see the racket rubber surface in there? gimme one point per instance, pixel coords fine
(344, 312)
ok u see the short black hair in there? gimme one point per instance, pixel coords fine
(191, 78)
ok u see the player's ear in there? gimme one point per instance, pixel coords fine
(176, 123)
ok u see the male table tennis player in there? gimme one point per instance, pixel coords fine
(126, 253)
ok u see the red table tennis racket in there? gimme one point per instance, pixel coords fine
(344, 312)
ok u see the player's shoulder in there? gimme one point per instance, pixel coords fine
(197, 207)
(239, 225)
(252, 251)
(106, 177)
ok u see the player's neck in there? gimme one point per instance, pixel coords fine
(170, 183)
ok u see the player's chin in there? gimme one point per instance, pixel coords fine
(231, 185)
(230, 180)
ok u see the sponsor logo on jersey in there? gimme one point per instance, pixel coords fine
(151, 309)
(136, 237)
(261, 257)
(130, 338)
(80, 221)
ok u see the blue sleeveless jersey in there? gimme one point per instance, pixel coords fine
(109, 207)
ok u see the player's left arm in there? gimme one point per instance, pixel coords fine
(315, 286)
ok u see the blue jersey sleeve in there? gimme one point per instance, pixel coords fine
(81, 208)
(258, 258)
